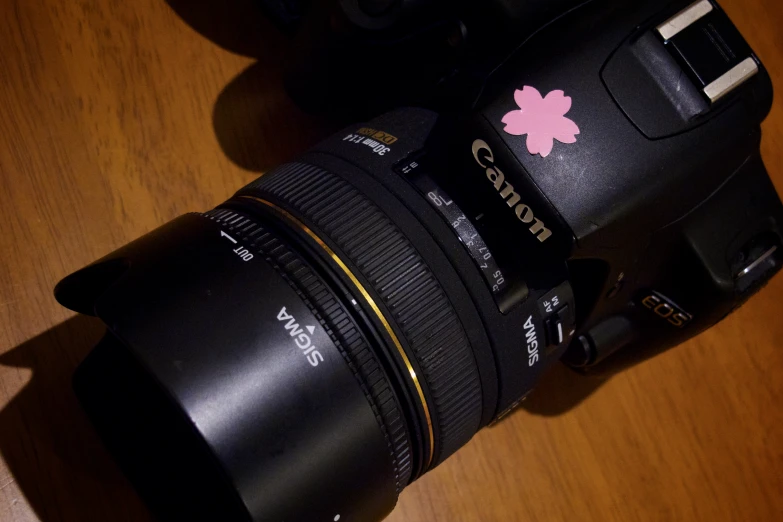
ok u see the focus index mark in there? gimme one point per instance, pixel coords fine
(223, 234)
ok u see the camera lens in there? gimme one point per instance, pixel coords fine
(290, 355)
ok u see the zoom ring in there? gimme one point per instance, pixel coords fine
(344, 333)
(406, 285)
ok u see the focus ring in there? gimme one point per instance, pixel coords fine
(340, 327)
(406, 285)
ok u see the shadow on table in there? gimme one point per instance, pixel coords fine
(239, 26)
(52, 451)
(560, 390)
(257, 125)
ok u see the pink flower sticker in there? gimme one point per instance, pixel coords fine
(542, 119)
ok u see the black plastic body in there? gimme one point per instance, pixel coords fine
(655, 209)
(654, 202)
(656, 161)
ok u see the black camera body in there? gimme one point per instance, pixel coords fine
(349, 320)
(662, 207)
(657, 210)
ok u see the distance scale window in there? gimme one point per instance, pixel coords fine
(506, 289)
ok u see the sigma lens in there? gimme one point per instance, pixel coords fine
(302, 352)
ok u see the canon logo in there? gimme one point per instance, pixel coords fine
(495, 175)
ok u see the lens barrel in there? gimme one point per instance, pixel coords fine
(436, 352)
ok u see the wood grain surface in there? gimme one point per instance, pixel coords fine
(116, 117)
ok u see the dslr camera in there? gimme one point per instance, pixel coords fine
(577, 182)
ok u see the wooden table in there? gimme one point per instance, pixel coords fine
(118, 116)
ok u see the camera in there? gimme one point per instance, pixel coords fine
(349, 320)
